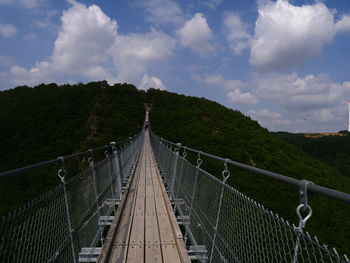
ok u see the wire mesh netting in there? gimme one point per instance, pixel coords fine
(57, 225)
(231, 226)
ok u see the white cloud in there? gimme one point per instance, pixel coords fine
(321, 120)
(233, 88)
(311, 103)
(88, 48)
(31, 4)
(163, 11)
(305, 104)
(6, 61)
(266, 114)
(267, 118)
(7, 30)
(133, 53)
(83, 42)
(236, 96)
(295, 93)
(30, 37)
(343, 25)
(84, 39)
(212, 3)
(196, 35)
(47, 20)
(229, 84)
(151, 82)
(236, 32)
(40, 73)
(285, 35)
(215, 79)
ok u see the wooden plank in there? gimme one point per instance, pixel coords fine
(169, 209)
(119, 254)
(124, 228)
(175, 227)
(170, 254)
(151, 222)
(165, 229)
(151, 229)
(137, 235)
(135, 254)
(153, 254)
(112, 233)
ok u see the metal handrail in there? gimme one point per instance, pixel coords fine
(311, 187)
(59, 160)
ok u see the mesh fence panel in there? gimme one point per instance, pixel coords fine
(40, 232)
(231, 226)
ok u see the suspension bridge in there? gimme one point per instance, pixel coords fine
(145, 202)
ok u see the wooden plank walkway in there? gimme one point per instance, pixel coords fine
(145, 227)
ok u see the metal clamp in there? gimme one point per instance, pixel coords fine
(91, 162)
(178, 147)
(61, 172)
(304, 205)
(303, 198)
(225, 172)
(184, 154)
(199, 160)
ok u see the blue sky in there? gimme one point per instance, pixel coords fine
(284, 63)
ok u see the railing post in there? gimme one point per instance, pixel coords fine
(225, 175)
(110, 172)
(162, 155)
(174, 171)
(115, 164)
(181, 170)
(92, 167)
(62, 174)
(199, 162)
(118, 172)
(119, 157)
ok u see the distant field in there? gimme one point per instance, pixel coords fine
(323, 134)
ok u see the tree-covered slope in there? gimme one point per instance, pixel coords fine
(332, 150)
(210, 127)
(47, 121)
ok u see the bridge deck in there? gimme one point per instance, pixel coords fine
(145, 227)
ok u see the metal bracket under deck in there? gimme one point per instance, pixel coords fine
(183, 220)
(105, 220)
(89, 254)
(199, 253)
(111, 202)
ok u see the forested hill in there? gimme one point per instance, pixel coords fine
(332, 150)
(48, 121)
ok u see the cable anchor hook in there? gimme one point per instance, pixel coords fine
(90, 160)
(61, 172)
(184, 153)
(304, 205)
(225, 172)
(199, 160)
